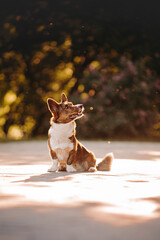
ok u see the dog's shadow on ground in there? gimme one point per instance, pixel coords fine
(50, 177)
(59, 176)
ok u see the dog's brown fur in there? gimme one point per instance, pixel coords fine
(78, 157)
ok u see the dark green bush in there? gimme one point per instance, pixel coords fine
(121, 98)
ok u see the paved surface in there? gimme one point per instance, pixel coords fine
(121, 204)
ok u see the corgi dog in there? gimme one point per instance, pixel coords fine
(66, 152)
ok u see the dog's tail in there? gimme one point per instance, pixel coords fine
(106, 163)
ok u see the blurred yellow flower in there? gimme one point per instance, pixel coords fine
(40, 28)
(2, 121)
(91, 92)
(29, 124)
(84, 96)
(15, 132)
(67, 43)
(81, 88)
(10, 97)
(71, 83)
(13, 30)
(6, 25)
(77, 60)
(55, 86)
(21, 78)
(4, 110)
(95, 65)
(2, 76)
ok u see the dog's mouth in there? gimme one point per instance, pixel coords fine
(79, 114)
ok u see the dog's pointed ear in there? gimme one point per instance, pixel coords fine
(53, 106)
(64, 97)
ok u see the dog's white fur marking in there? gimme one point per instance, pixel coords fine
(92, 169)
(60, 134)
(54, 166)
(70, 168)
(59, 139)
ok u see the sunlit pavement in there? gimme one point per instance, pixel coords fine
(121, 204)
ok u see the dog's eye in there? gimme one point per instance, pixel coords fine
(66, 106)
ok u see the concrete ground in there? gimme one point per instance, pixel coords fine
(121, 204)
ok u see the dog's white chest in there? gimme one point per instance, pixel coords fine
(59, 139)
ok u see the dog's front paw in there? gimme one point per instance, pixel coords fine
(54, 166)
(52, 169)
(70, 168)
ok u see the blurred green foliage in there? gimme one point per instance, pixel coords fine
(47, 48)
(122, 97)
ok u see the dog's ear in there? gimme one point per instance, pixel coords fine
(53, 106)
(64, 98)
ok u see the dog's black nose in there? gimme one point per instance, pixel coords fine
(80, 106)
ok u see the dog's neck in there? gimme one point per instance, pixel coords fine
(66, 129)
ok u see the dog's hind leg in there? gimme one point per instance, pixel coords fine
(91, 163)
(71, 157)
(92, 169)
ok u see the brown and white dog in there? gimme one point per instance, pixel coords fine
(67, 153)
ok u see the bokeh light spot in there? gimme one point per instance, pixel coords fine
(15, 132)
(10, 97)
